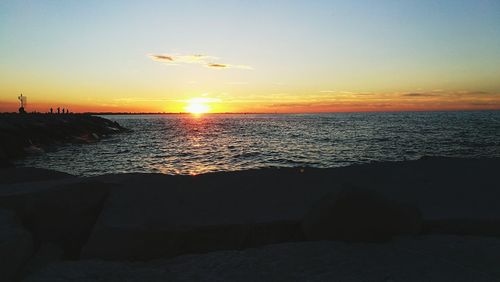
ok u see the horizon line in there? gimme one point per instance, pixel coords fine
(263, 113)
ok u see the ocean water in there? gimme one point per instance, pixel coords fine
(185, 144)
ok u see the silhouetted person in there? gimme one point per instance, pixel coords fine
(58, 110)
(51, 110)
(63, 110)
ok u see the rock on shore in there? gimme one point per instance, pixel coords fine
(354, 214)
(16, 245)
(12, 175)
(139, 217)
(426, 258)
(21, 134)
(186, 214)
(59, 211)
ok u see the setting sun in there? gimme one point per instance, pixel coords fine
(197, 106)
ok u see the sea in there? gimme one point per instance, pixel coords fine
(189, 144)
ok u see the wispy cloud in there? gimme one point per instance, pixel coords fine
(212, 65)
(478, 92)
(227, 66)
(184, 59)
(198, 59)
(443, 93)
(163, 58)
(418, 95)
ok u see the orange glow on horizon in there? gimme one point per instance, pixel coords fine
(288, 104)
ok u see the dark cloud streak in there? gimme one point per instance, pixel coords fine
(163, 57)
(419, 95)
(213, 65)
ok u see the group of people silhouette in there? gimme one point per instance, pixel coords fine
(64, 111)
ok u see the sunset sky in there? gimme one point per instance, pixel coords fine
(250, 56)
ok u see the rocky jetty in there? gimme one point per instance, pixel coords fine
(21, 134)
(435, 219)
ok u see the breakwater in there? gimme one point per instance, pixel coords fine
(22, 134)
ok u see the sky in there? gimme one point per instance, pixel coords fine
(250, 56)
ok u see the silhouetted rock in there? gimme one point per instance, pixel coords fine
(31, 133)
(355, 214)
(4, 162)
(155, 216)
(11, 175)
(61, 211)
(464, 226)
(426, 258)
(46, 254)
(16, 246)
(150, 216)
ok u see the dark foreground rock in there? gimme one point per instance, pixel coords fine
(172, 215)
(354, 214)
(154, 215)
(29, 174)
(58, 211)
(22, 134)
(131, 217)
(427, 258)
(46, 254)
(16, 246)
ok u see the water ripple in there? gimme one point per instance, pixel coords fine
(182, 144)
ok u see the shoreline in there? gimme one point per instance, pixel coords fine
(144, 217)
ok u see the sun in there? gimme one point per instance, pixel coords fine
(197, 106)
